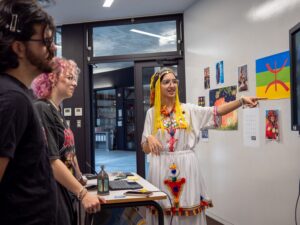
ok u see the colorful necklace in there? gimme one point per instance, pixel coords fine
(170, 124)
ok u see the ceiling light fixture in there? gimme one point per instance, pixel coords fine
(150, 34)
(107, 3)
(271, 8)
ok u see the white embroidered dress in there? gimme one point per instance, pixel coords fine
(189, 209)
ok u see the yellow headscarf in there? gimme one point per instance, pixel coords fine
(155, 101)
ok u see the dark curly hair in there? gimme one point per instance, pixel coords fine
(17, 21)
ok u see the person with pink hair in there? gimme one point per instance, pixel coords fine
(51, 89)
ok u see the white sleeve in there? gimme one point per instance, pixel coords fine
(203, 118)
(148, 125)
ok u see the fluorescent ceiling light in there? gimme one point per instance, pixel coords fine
(271, 9)
(150, 34)
(107, 3)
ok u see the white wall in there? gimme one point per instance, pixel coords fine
(249, 186)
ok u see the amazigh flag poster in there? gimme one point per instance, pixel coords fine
(273, 76)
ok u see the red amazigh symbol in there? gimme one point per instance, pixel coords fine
(275, 71)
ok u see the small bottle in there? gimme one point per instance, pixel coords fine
(103, 182)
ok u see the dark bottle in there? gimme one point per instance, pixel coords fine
(103, 182)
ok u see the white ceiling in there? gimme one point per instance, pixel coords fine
(78, 11)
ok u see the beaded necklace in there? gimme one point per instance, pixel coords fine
(171, 125)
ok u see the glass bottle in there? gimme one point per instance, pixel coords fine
(103, 182)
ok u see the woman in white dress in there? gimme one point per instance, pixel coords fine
(170, 135)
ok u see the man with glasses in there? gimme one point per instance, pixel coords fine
(27, 187)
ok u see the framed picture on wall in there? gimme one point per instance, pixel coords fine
(204, 135)
(220, 72)
(272, 125)
(201, 101)
(206, 78)
(242, 78)
(218, 97)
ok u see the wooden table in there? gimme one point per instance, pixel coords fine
(116, 199)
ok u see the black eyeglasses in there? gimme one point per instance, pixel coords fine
(46, 41)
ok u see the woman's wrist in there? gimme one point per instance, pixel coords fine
(241, 100)
(147, 139)
(81, 194)
(79, 176)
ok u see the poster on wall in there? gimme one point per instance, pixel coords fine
(251, 127)
(218, 97)
(204, 135)
(206, 78)
(242, 78)
(273, 76)
(201, 101)
(220, 72)
(272, 125)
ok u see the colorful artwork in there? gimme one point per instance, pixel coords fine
(273, 76)
(206, 78)
(272, 126)
(218, 97)
(220, 72)
(243, 78)
(201, 101)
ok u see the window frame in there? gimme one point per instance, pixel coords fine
(141, 56)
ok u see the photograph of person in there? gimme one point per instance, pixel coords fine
(201, 101)
(272, 127)
(206, 78)
(242, 78)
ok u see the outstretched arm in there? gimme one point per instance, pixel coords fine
(243, 100)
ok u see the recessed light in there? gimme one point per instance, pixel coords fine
(107, 3)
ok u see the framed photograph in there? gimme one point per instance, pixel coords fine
(206, 78)
(220, 72)
(272, 125)
(218, 97)
(201, 101)
(242, 78)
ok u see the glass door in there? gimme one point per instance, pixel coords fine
(105, 111)
(114, 117)
(143, 73)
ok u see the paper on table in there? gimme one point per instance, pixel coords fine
(251, 127)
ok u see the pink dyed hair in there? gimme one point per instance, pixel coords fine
(42, 85)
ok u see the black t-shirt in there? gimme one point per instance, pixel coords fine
(61, 146)
(27, 189)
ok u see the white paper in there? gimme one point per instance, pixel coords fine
(204, 135)
(251, 127)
